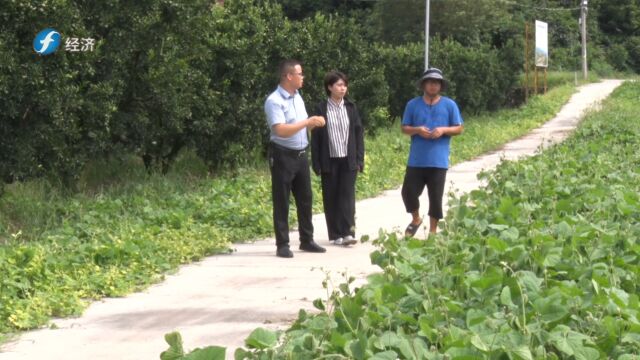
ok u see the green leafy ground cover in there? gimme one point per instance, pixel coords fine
(124, 229)
(542, 263)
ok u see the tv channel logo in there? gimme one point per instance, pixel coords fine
(46, 41)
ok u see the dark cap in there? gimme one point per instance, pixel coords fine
(432, 73)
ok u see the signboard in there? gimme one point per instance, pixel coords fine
(542, 44)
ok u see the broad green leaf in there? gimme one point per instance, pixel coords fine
(352, 309)
(241, 354)
(175, 351)
(393, 293)
(571, 342)
(385, 355)
(553, 258)
(407, 350)
(261, 338)
(563, 229)
(469, 222)
(389, 339)
(492, 277)
(456, 337)
(521, 353)
(507, 207)
(510, 235)
(499, 227)
(377, 279)
(600, 253)
(627, 357)
(564, 205)
(460, 353)
(475, 318)
(321, 323)
(208, 353)
(620, 297)
(308, 342)
(426, 330)
(587, 353)
(551, 308)
(405, 269)
(338, 340)
(529, 281)
(631, 338)
(419, 348)
(505, 297)
(497, 244)
(479, 343)
(357, 348)
(318, 304)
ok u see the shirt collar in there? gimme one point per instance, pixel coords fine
(285, 94)
(340, 104)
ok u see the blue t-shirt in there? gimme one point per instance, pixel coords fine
(430, 152)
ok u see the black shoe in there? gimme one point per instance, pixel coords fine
(312, 246)
(412, 229)
(284, 252)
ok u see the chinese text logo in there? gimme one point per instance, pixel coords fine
(74, 44)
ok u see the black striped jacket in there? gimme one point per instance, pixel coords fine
(320, 140)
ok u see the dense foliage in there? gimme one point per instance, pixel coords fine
(542, 263)
(613, 27)
(167, 76)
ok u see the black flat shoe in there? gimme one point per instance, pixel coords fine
(412, 229)
(312, 247)
(284, 252)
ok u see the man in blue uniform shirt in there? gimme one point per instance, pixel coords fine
(431, 120)
(288, 159)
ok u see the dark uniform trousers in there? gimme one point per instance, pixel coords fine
(338, 197)
(290, 174)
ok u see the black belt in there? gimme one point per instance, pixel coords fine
(287, 151)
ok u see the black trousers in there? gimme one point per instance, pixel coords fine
(415, 180)
(290, 174)
(339, 198)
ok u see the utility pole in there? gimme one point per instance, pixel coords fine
(583, 30)
(526, 60)
(426, 37)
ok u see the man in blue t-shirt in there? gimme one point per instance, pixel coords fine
(431, 120)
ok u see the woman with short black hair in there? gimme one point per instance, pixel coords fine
(337, 153)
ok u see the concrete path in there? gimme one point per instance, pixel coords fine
(221, 299)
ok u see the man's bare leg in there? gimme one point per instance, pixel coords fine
(433, 225)
(417, 220)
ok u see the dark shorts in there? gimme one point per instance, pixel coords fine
(415, 179)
